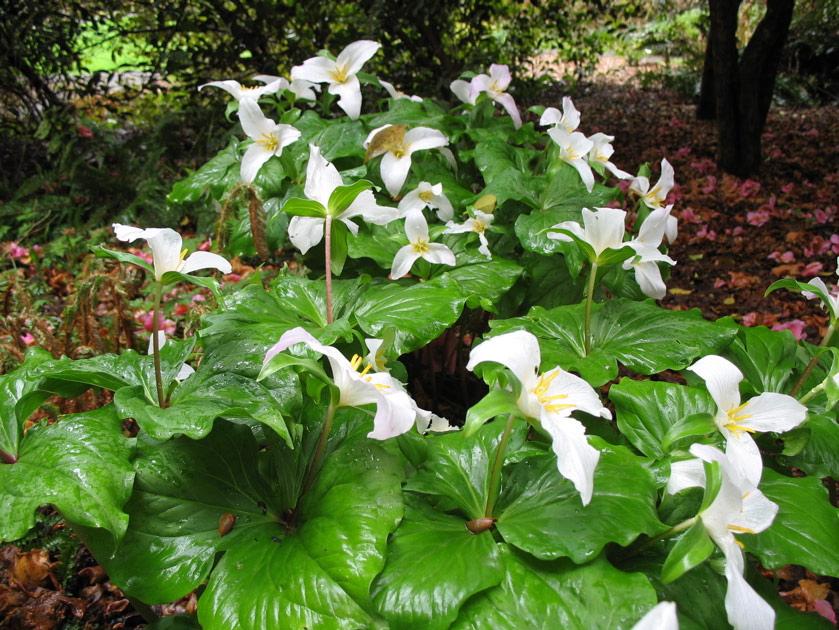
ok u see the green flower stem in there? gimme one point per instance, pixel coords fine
(813, 392)
(495, 475)
(812, 364)
(327, 238)
(327, 424)
(676, 529)
(156, 346)
(589, 298)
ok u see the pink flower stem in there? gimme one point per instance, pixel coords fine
(327, 424)
(589, 298)
(495, 475)
(327, 238)
(156, 346)
(825, 340)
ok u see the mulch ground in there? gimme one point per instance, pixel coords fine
(736, 237)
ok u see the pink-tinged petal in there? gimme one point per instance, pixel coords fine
(349, 93)
(518, 351)
(252, 161)
(479, 83)
(576, 459)
(421, 138)
(316, 70)
(662, 617)
(403, 261)
(689, 473)
(745, 608)
(205, 260)
(722, 378)
(394, 171)
(355, 55)
(508, 103)
(551, 116)
(305, 232)
(439, 254)
(743, 457)
(462, 90)
(322, 178)
(500, 75)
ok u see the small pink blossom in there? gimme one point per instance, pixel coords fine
(786, 257)
(681, 153)
(27, 338)
(205, 246)
(776, 153)
(749, 188)
(711, 186)
(812, 269)
(624, 185)
(198, 298)
(738, 231)
(758, 217)
(147, 320)
(17, 252)
(824, 608)
(824, 216)
(84, 132)
(687, 215)
(705, 233)
(796, 326)
(751, 319)
(232, 277)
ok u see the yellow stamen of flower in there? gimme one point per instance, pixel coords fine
(740, 530)
(541, 392)
(426, 196)
(494, 88)
(572, 154)
(356, 362)
(269, 142)
(401, 150)
(420, 246)
(734, 419)
(477, 226)
(742, 546)
(183, 255)
(339, 74)
(380, 360)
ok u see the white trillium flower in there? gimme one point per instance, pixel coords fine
(831, 302)
(602, 229)
(661, 617)
(427, 196)
(396, 162)
(396, 94)
(574, 148)
(495, 85)
(463, 90)
(647, 255)
(478, 224)
(654, 198)
(737, 421)
(568, 118)
(240, 92)
(185, 371)
(550, 398)
(340, 74)
(739, 507)
(302, 89)
(322, 178)
(166, 248)
(268, 137)
(602, 151)
(419, 246)
(395, 409)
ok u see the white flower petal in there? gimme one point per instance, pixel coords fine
(315, 69)
(722, 378)
(744, 457)
(576, 459)
(252, 161)
(689, 473)
(439, 254)
(508, 103)
(757, 513)
(322, 178)
(205, 260)
(662, 617)
(745, 608)
(305, 232)
(773, 412)
(349, 93)
(421, 138)
(604, 228)
(403, 261)
(394, 171)
(518, 351)
(356, 54)
(463, 90)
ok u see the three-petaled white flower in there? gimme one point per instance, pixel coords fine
(739, 507)
(396, 162)
(602, 229)
(661, 617)
(322, 178)
(549, 399)
(574, 148)
(419, 246)
(494, 85)
(340, 74)
(737, 421)
(396, 412)
(568, 118)
(655, 197)
(427, 196)
(478, 224)
(302, 89)
(602, 151)
(240, 92)
(268, 137)
(396, 94)
(166, 248)
(647, 255)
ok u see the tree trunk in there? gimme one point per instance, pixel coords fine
(741, 90)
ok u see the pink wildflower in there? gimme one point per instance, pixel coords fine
(84, 132)
(711, 186)
(758, 217)
(27, 338)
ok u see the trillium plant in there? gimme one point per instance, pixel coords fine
(453, 396)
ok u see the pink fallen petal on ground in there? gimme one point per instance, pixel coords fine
(787, 188)
(795, 326)
(824, 608)
(719, 282)
(27, 338)
(750, 319)
(758, 217)
(812, 132)
(749, 188)
(711, 186)
(812, 269)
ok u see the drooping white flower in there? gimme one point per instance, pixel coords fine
(268, 137)
(647, 255)
(396, 161)
(739, 507)
(737, 421)
(322, 178)
(654, 198)
(396, 94)
(239, 92)
(395, 409)
(340, 74)
(166, 248)
(661, 617)
(602, 229)
(568, 118)
(302, 89)
(574, 148)
(419, 246)
(495, 85)
(427, 196)
(550, 399)
(478, 224)
(602, 151)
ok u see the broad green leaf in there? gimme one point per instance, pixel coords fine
(514, 184)
(457, 466)
(495, 155)
(337, 139)
(343, 196)
(567, 190)
(124, 257)
(437, 303)
(338, 242)
(487, 280)
(541, 512)
(796, 286)
(804, 530)
(20, 396)
(495, 403)
(651, 413)
(377, 242)
(80, 464)
(820, 456)
(766, 357)
(640, 335)
(559, 594)
(696, 424)
(304, 208)
(692, 548)
(434, 564)
(217, 176)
